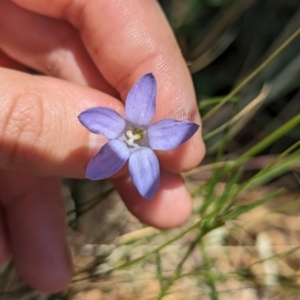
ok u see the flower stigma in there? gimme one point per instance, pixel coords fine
(134, 135)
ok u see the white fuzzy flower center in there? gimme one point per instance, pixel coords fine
(135, 137)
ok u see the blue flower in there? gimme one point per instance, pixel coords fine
(134, 138)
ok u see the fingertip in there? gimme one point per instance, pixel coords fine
(170, 207)
(52, 277)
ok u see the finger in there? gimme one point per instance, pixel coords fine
(39, 129)
(51, 46)
(133, 39)
(36, 225)
(170, 207)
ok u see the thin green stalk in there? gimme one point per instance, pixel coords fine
(254, 103)
(180, 235)
(214, 180)
(257, 178)
(275, 135)
(209, 102)
(209, 277)
(178, 269)
(253, 74)
(159, 271)
(271, 171)
(242, 209)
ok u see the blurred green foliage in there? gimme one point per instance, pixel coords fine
(223, 41)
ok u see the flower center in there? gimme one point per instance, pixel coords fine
(135, 136)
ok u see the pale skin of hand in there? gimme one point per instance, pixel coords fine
(96, 49)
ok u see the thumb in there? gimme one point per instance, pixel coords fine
(39, 129)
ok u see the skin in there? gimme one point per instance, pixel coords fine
(93, 51)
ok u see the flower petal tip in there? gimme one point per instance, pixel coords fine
(109, 160)
(102, 120)
(149, 197)
(140, 102)
(168, 134)
(144, 172)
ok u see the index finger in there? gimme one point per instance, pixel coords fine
(127, 39)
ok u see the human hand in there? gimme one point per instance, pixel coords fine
(97, 49)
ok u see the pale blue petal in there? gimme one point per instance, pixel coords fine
(103, 120)
(140, 102)
(109, 160)
(169, 133)
(144, 172)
